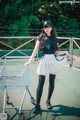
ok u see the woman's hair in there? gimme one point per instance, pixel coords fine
(43, 37)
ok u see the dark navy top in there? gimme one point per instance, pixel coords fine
(49, 46)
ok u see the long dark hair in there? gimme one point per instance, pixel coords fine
(43, 37)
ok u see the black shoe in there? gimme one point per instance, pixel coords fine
(37, 109)
(48, 105)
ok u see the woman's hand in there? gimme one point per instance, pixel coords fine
(67, 54)
(33, 53)
(27, 64)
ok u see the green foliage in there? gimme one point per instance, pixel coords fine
(48, 10)
(19, 28)
(7, 9)
(18, 16)
(68, 27)
(34, 20)
(18, 42)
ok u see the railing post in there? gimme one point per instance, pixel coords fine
(71, 52)
(37, 56)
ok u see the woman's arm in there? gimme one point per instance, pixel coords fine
(35, 51)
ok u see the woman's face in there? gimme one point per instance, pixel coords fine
(47, 30)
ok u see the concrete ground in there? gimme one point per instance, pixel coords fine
(65, 99)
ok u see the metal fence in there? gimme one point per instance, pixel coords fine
(71, 41)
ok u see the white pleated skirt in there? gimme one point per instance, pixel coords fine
(49, 64)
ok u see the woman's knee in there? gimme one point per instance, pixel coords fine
(41, 80)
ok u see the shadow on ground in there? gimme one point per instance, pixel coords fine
(56, 111)
(61, 110)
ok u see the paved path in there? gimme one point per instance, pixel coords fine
(65, 99)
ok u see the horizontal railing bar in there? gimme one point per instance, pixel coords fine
(20, 37)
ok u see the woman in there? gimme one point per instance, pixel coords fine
(50, 62)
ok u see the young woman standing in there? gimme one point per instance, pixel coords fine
(50, 62)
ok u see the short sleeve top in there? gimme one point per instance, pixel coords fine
(49, 46)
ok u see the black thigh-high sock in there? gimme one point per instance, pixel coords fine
(40, 89)
(51, 86)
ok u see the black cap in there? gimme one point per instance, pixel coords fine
(47, 24)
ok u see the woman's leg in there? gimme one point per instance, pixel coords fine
(40, 89)
(39, 93)
(50, 89)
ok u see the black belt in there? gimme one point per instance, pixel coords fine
(57, 58)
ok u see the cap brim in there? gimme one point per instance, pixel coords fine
(46, 26)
